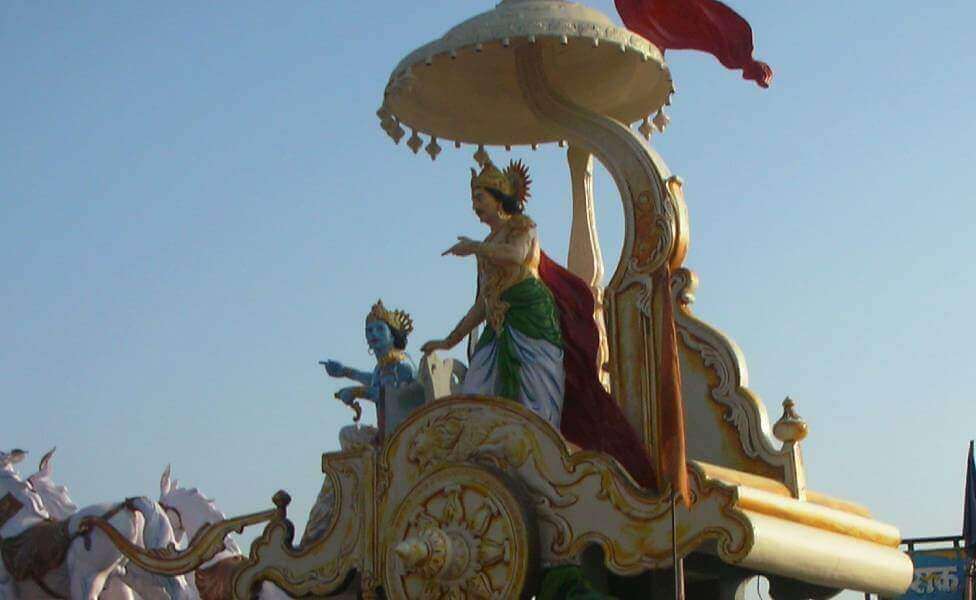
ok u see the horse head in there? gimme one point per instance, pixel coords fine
(55, 497)
(189, 510)
(9, 459)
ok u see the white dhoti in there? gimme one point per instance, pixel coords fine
(542, 378)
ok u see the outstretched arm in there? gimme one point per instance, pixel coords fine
(359, 376)
(475, 316)
(515, 249)
(336, 369)
(359, 392)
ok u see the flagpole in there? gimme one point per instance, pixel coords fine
(679, 564)
(968, 525)
(970, 567)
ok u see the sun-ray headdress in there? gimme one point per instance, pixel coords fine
(396, 319)
(514, 181)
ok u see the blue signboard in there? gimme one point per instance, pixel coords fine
(939, 575)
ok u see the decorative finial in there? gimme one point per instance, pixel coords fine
(433, 148)
(790, 427)
(481, 157)
(415, 142)
(396, 131)
(645, 129)
(281, 501)
(661, 120)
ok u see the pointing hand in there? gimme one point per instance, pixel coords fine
(333, 368)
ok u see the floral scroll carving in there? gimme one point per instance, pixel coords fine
(742, 409)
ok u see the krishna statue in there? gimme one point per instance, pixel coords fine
(386, 333)
(540, 343)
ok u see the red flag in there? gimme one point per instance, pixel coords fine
(706, 25)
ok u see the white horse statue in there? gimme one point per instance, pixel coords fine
(58, 503)
(189, 511)
(49, 558)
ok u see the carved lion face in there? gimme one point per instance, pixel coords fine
(435, 441)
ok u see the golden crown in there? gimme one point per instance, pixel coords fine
(396, 319)
(514, 181)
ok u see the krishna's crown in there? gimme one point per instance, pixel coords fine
(513, 181)
(396, 319)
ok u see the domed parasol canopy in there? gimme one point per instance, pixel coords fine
(465, 87)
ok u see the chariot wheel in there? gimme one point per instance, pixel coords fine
(462, 533)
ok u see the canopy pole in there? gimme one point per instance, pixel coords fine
(585, 258)
(679, 563)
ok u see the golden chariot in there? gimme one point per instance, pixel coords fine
(473, 497)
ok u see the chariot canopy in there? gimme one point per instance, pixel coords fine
(467, 87)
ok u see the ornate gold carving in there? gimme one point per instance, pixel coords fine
(392, 357)
(743, 410)
(647, 240)
(322, 566)
(578, 499)
(454, 437)
(460, 533)
(684, 284)
(169, 561)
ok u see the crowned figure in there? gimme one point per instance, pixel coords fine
(386, 335)
(540, 343)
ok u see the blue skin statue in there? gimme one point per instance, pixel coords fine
(392, 366)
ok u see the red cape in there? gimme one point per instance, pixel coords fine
(591, 418)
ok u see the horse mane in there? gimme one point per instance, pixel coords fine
(192, 502)
(158, 532)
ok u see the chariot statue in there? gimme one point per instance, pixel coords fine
(601, 438)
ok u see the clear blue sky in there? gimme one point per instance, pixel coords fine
(197, 204)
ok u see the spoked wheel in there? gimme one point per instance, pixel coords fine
(461, 533)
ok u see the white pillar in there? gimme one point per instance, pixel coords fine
(585, 258)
